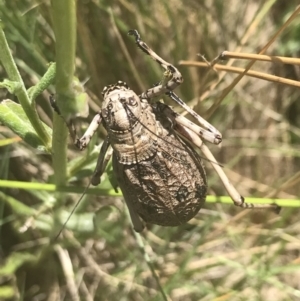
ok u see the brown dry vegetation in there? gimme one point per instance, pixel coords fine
(225, 253)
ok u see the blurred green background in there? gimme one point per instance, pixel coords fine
(225, 253)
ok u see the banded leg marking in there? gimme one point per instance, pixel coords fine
(172, 75)
(210, 128)
(212, 135)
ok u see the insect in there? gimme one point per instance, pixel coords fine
(161, 176)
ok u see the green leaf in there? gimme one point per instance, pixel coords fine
(14, 261)
(44, 222)
(16, 205)
(4, 142)
(76, 103)
(81, 98)
(102, 215)
(6, 291)
(13, 116)
(81, 222)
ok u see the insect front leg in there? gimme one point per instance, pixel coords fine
(194, 137)
(103, 159)
(83, 142)
(173, 77)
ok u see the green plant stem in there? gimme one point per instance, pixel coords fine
(47, 79)
(53, 188)
(14, 75)
(110, 192)
(59, 150)
(64, 22)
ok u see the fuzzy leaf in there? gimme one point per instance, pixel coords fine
(13, 116)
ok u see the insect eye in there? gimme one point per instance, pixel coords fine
(132, 101)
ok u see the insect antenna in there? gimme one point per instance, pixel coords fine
(73, 210)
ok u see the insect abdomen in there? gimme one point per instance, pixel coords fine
(167, 189)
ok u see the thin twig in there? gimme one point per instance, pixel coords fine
(241, 71)
(66, 264)
(227, 90)
(150, 264)
(108, 280)
(260, 57)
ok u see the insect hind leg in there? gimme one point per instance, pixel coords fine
(237, 199)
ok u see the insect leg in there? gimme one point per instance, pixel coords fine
(173, 77)
(104, 157)
(211, 135)
(237, 199)
(83, 142)
(210, 128)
